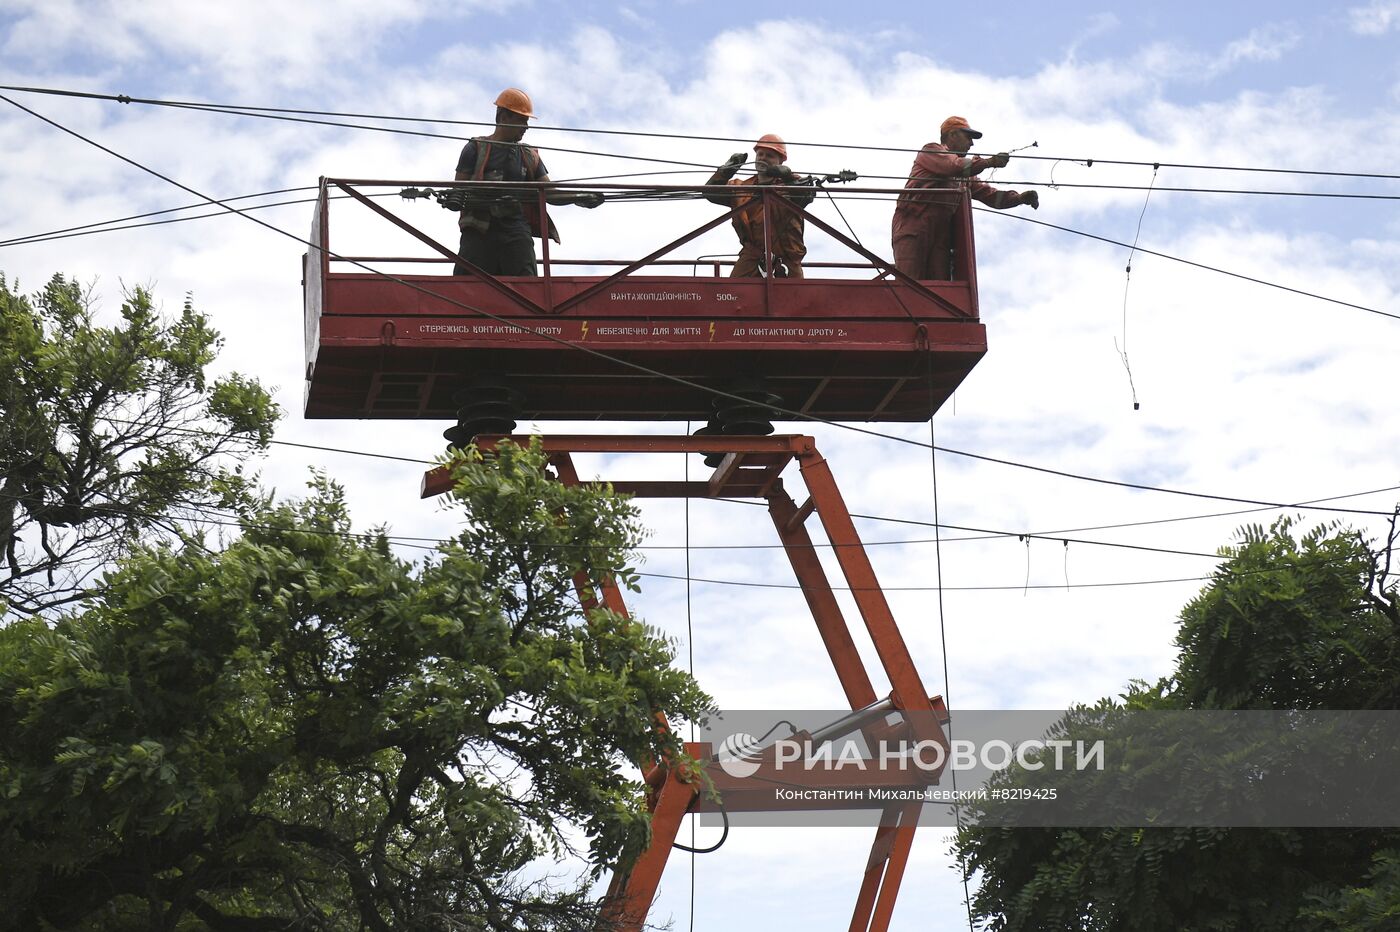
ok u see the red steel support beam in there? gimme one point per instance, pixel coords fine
(894, 656)
(884, 871)
(816, 589)
(437, 480)
(648, 443)
(874, 871)
(865, 589)
(629, 902)
(612, 595)
(894, 867)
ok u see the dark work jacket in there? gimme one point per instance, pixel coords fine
(504, 161)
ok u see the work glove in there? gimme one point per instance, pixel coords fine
(782, 173)
(737, 159)
(1032, 198)
(455, 199)
(589, 199)
(1000, 159)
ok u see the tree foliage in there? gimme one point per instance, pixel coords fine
(1286, 622)
(107, 433)
(305, 731)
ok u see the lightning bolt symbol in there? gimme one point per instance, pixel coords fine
(712, 331)
(585, 331)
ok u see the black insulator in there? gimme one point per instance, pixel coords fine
(750, 417)
(487, 408)
(458, 437)
(711, 429)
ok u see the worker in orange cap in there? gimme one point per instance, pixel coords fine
(922, 227)
(785, 226)
(498, 229)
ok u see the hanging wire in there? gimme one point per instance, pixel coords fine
(842, 215)
(690, 659)
(1010, 215)
(1127, 281)
(1087, 163)
(991, 175)
(942, 614)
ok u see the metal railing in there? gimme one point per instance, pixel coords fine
(770, 197)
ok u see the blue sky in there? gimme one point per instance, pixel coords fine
(1245, 390)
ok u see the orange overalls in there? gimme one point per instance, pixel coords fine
(784, 234)
(922, 226)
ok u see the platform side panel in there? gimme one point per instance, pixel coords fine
(348, 386)
(313, 279)
(542, 335)
(965, 252)
(871, 371)
(650, 297)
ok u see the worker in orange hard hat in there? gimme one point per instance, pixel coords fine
(785, 227)
(499, 226)
(922, 228)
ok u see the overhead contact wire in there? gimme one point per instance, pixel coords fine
(1199, 265)
(40, 237)
(56, 234)
(248, 110)
(218, 519)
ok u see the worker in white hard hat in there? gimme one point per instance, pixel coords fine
(786, 227)
(499, 229)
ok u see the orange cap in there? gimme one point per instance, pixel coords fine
(774, 142)
(957, 122)
(516, 101)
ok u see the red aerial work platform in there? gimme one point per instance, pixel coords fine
(875, 347)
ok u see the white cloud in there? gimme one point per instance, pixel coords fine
(247, 46)
(1100, 90)
(1099, 25)
(1171, 62)
(1377, 19)
(1268, 43)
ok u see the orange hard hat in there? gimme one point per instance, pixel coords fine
(957, 122)
(773, 142)
(516, 101)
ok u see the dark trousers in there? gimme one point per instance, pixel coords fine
(503, 249)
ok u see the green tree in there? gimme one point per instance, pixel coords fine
(108, 433)
(306, 731)
(1286, 622)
